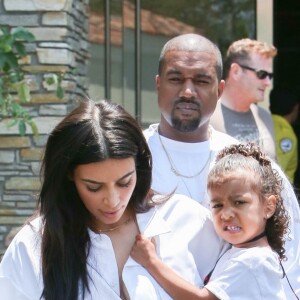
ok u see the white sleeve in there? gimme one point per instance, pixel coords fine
(9, 291)
(20, 268)
(292, 244)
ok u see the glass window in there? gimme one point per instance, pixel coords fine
(96, 50)
(221, 21)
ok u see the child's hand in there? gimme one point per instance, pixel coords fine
(144, 251)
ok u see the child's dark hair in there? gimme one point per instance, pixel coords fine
(266, 181)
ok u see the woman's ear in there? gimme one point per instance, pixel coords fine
(269, 206)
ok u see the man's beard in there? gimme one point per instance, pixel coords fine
(185, 125)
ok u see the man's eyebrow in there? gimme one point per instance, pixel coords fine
(201, 75)
(98, 182)
(198, 75)
(173, 72)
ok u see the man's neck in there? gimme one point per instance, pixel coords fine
(199, 135)
(233, 100)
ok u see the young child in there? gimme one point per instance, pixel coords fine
(248, 212)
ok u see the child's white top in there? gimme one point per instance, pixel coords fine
(247, 273)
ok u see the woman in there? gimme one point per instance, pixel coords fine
(95, 198)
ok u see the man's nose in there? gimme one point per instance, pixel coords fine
(188, 89)
(267, 81)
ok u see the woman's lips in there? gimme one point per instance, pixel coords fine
(110, 214)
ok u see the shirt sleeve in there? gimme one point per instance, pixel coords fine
(9, 291)
(20, 268)
(292, 239)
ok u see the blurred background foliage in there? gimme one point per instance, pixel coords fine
(221, 21)
(14, 89)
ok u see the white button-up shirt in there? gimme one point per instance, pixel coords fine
(185, 241)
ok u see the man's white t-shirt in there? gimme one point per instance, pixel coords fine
(189, 158)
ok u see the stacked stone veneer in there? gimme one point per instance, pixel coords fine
(61, 46)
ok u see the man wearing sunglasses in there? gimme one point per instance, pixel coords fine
(247, 74)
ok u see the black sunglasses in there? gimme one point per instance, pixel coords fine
(260, 74)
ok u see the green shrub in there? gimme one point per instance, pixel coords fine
(14, 91)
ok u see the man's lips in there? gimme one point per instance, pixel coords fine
(187, 106)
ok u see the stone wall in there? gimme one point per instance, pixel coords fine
(61, 47)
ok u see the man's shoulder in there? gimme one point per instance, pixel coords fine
(183, 207)
(261, 111)
(150, 131)
(218, 134)
(220, 139)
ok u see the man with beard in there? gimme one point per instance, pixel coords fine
(184, 145)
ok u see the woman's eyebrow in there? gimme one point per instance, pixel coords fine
(98, 182)
(126, 175)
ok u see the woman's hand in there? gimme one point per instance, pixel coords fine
(144, 251)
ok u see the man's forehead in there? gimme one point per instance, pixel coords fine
(189, 59)
(190, 53)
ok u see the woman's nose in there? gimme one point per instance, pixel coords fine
(111, 199)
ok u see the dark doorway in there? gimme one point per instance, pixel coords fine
(287, 62)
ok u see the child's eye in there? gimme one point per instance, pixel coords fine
(239, 202)
(217, 205)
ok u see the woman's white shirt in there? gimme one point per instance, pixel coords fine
(185, 240)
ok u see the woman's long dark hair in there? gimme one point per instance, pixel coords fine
(90, 133)
(266, 182)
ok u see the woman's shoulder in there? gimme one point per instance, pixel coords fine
(20, 268)
(29, 235)
(30, 227)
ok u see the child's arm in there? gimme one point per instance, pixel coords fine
(144, 253)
